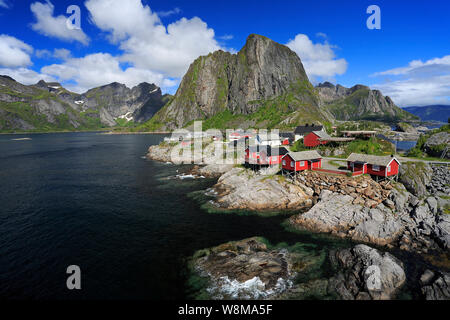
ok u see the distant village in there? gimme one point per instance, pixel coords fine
(273, 150)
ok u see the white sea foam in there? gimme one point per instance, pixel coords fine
(250, 289)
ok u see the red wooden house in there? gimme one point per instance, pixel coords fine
(264, 155)
(316, 138)
(383, 166)
(287, 138)
(300, 161)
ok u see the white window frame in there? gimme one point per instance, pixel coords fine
(302, 163)
(284, 162)
(389, 169)
(292, 164)
(376, 167)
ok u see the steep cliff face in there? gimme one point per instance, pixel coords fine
(359, 102)
(49, 106)
(262, 85)
(139, 103)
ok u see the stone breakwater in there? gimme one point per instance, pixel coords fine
(440, 182)
(364, 190)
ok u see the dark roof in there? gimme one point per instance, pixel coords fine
(307, 129)
(288, 135)
(281, 151)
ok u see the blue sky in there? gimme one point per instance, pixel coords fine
(131, 41)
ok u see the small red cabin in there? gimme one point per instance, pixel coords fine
(316, 138)
(304, 160)
(287, 138)
(264, 155)
(383, 166)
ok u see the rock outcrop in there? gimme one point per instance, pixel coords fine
(336, 214)
(252, 269)
(409, 223)
(233, 86)
(435, 285)
(437, 143)
(367, 274)
(244, 269)
(406, 128)
(416, 177)
(359, 102)
(244, 189)
(212, 170)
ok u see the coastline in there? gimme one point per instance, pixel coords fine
(88, 131)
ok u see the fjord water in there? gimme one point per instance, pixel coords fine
(92, 200)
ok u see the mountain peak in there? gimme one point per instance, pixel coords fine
(257, 37)
(241, 84)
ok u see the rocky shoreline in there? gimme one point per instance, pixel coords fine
(410, 218)
(241, 189)
(253, 269)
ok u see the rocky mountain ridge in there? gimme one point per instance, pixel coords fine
(263, 85)
(359, 103)
(49, 106)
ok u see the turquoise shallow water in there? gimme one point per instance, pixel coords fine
(92, 200)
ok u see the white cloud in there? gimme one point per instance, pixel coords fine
(14, 52)
(25, 75)
(62, 54)
(43, 53)
(56, 27)
(417, 66)
(99, 69)
(3, 4)
(169, 12)
(146, 42)
(418, 83)
(318, 59)
(226, 37)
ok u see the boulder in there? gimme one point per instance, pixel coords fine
(436, 143)
(367, 274)
(432, 204)
(415, 176)
(438, 289)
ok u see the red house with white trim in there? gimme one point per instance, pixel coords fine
(264, 155)
(383, 166)
(300, 161)
(316, 138)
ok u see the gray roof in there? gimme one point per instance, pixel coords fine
(289, 135)
(304, 155)
(322, 134)
(307, 129)
(371, 159)
(269, 137)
